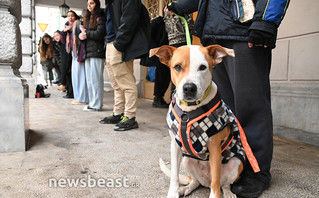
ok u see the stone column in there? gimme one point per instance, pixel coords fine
(26, 69)
(14, 106)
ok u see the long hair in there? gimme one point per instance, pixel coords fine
(68, 35)
(90, 20)
(46, 50)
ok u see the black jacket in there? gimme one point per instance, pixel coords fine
(216, 21)
(94, 44)
(132, 27)
(158, 38)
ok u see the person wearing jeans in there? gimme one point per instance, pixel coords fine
(92, 33)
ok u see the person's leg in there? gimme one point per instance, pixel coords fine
(248, 75)
(124, 77)
(45, 73)
(75, 78)
(58, 73)
(83, 90)
(119, 100)
(64, 63)
(162, 80)
(50, 73)
(79, 81)
(127, 83)
(68, 77)
(94, 69)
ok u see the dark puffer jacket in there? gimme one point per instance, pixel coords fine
(132, 27)
(215, 19)
(94, 44)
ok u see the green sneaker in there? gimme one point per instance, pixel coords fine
(126, 124)
(112, 119)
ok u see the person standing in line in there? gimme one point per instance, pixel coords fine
(66, 56)
(46, 55)
(162, 72)
(57, 57)
(128, 28)
(80, 90)
(93, 34)
(243, 81)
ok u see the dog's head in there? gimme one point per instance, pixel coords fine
(191, 67)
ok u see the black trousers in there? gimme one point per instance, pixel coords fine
(66, 68)
(243, 83)
(58, 72)
(162, 80)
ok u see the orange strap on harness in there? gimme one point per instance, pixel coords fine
(249, 153)
(191, 151)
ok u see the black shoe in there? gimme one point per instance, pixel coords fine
(112, 119)
(159, 102)
(67, 97)
(126, 124)
(249, 186)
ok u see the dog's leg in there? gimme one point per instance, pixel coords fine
(215, 161)
(176, 157)
(186, 190)
(229, 174)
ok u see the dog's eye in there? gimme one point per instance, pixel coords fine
(202, 67)
(178, 68)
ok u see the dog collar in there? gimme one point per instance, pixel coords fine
(198, 101)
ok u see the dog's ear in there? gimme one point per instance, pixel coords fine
(164, 53)
(217, 52)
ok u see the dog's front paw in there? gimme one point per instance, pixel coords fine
(173, 194)
(229, 194)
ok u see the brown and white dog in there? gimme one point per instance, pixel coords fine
(191, 72)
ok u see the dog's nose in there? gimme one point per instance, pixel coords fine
(189, 90)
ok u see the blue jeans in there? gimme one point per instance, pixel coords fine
(94, 68)
(79, 81)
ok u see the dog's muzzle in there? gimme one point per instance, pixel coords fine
(189, 91)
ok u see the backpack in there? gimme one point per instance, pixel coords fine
(40, 92)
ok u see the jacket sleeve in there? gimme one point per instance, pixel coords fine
(129, 21)
(100, 31)
(269, 14)
(186, 6)
(63, 37)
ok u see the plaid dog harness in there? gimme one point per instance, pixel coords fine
(193, 129)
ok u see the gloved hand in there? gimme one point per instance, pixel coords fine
(260, 38)
(171, 7)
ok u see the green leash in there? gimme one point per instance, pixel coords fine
(188, 36)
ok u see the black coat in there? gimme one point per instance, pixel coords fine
(158, 38)
(94, 44)
(132, 27)
(215, 19)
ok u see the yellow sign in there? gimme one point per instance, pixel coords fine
(43, 26)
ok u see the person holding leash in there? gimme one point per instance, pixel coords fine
(243, 81)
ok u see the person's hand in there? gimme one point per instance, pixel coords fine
(168, 11)
(82, 35)
(260, 38)
(67, 28)
(171, 7)
(82, 28)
